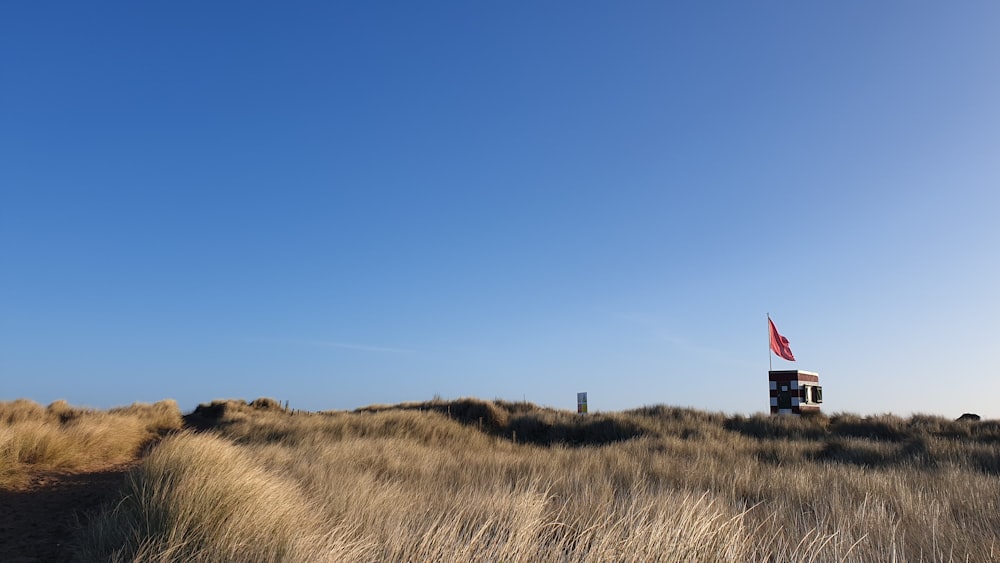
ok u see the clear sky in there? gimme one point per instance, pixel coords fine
(346, 203)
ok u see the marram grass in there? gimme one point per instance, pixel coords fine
(492, 481)
(59, 437)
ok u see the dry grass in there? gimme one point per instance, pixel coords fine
(35, 438)
(494, 481)
(201, 498)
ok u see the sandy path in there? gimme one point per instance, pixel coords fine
(36, 521)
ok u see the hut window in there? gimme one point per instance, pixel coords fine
(818, 394)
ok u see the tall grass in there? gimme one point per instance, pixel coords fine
(496, 481)
(489, 481)
(34, 438)
(201, 498)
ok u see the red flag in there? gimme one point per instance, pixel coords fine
(779, 344)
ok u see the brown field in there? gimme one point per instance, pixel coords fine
(498, 481)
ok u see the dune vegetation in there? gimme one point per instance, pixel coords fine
(472, 480)
(59, 437)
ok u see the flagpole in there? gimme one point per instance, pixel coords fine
(769, 343)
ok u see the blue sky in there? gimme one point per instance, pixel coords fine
(346, 203)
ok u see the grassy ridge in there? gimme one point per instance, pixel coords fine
(479, 480)
(34, 438)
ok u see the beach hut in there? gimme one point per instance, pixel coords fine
(794, 391)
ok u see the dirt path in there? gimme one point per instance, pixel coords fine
(37, 521)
